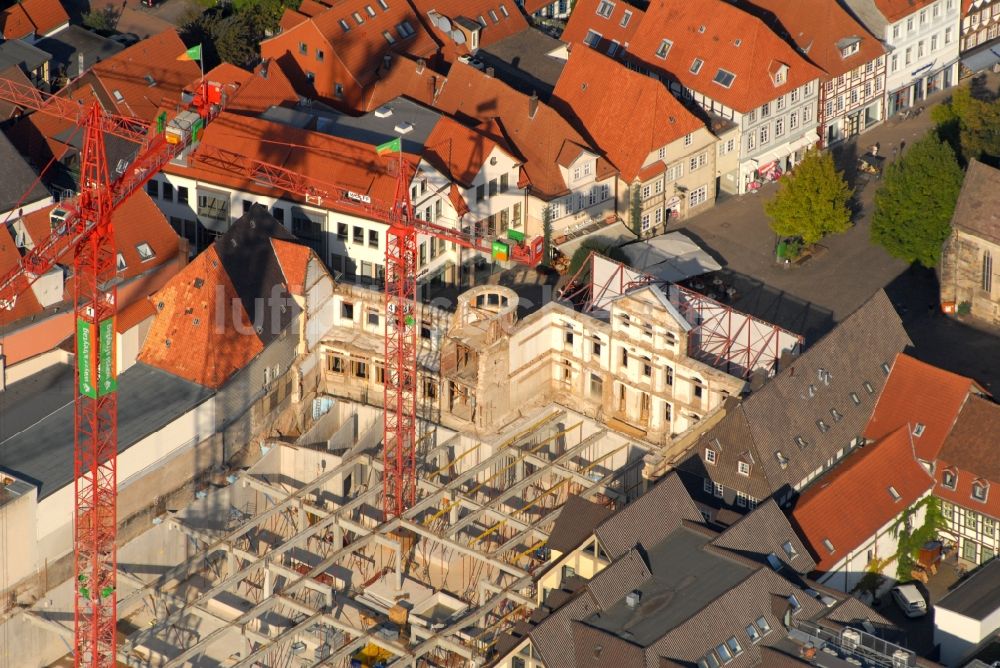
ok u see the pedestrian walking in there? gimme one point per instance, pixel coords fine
(902, 145)
(894, 150)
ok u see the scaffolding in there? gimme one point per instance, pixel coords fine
(283, 571)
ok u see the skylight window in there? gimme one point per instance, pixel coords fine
(724, 78)
(836, 415)
(794, 602)
(503, 10)
(605, 9)
(801, 442)
(121, 262)
(789, 549)
(145, 251)
(118, 95)
(357, 17)
(855, 398)
(592, 39)
(388, 37)
(782, 459)
(696, 65)
(918, 430)
(664, 49)
(493, 16)
(344, 25)
(823, 427)
(894, 494)
(405, 29)
(828, 545)
(384, 5)
(773, 560)
(150, 80)
(869, 388)
(370, 11)
(737, 42)
(625, 18)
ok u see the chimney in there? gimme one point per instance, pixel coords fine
(532, 104)
(387, 61)
(80, 69)
(489, 72)
(421, 64)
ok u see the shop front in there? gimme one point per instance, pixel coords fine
(772, 165)
(926, 81)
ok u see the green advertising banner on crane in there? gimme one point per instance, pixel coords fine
(97, 367)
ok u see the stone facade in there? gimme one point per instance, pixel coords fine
(967, 276)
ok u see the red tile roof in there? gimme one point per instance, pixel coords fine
(134, 313)
(458, 151)
(136, 221)
(817, 28)
(724, 37)
(539, 139)
(26, 304)
(154, 57)
(186, 338)
(893, 10)
(585, 18)
(254, 92)
(294, 260)
(342, 162)
(599, 92)
(35, 135)
(849, 504)
(362, 47)
(46, 15)
(906, 400)
(504, 25)
(970, 451)
(406, 78)
(16, 23)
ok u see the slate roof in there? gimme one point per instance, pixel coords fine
(36, 441)
(908, 400)
(147, 75)
(724, 37)
(576, 523)
(598, 92)
(17, 75)
(523, 61)
(817, 29)
(970, 451)
(848, 505)
(66, 46)
(22, 54)
(821, 379)
(978, 209)
(978, 596)
(766, 530)
(648, 519)
(244, 272)
(19, 179)
(540, 139)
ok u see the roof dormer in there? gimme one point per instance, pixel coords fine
(779, 72)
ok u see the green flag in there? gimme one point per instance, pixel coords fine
(391, 145)
(194, 53)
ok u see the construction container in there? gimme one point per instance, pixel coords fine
(501, 251)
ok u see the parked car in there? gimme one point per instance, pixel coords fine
(125, 38)
(910, 600)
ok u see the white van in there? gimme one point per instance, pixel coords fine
(909, 600)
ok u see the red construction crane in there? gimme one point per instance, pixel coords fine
(399, 486)
(86, 231)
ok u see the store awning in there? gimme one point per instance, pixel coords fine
(772, 155)
(983, 57)
(805, 141)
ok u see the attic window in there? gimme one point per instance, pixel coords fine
(743, 468)
(696, 65)
(980, 490)
(828, 545)
(855, 398)
(850, 49)
(823, 427)
(405, 29)
(894, 494)
(664, 49)
(358, 18)
(145, 251)
(773, 560)
(150, 80)
(344, 25)
(121, 262)
(118, 95)
(836, 415)
(949, 478)
(384, 5)
(869, 388)
(605, 9)
(886, 368)
(801, 442)
(794, 602)
(789, 549)
(198, 282)
(503, 10)
(918, 430)
(388, 37)
(737, 42)
(370, 11)
(724, 78)
(493, 16)
(811, 390)
(782, 459)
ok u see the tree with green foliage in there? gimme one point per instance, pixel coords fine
(101, 20)
(546, 235)
(635, 210)
(913, 207)
(971, 125)
(233, 34)
(598, 245)
(811, 201)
